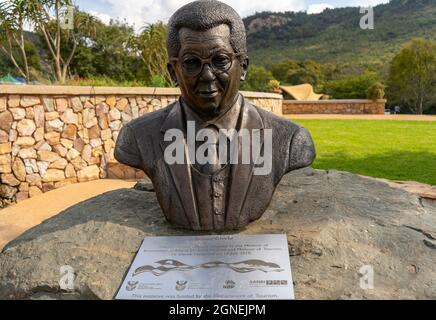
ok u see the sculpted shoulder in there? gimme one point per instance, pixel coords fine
(279, 124)
(132, 135)
(150, 121)
(295, 138)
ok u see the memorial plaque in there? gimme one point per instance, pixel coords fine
(230, 267)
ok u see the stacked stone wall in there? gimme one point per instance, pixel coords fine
(334, 107)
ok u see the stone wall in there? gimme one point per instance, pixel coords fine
(334, 107)
(53, 136)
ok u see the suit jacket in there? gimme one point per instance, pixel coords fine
(141, 144)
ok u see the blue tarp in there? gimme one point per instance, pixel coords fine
(12, 80)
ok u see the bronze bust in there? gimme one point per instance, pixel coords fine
(206, 44)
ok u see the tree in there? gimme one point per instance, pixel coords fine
(61, 43)
(52, 32)
(307, 72)
(412, 75)
(257, 79)
(281, 70)
(351, 87)
(330, 71)
(108, 54)
(13, 15)
(150, 45)
(298, 72)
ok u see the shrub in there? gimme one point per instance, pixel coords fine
(351, 87)
(273, 85)
(376, 91)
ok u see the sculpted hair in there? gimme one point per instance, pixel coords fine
(204, 15)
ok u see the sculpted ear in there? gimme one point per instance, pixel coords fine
(244, 68)
(172, 73)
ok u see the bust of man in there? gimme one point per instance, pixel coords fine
(224, 189)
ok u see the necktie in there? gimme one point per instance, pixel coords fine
(212, 154)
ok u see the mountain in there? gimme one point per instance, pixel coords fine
(335, 36)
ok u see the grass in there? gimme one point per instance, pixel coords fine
(104, 82)
(396, 150)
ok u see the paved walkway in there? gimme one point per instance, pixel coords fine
(423, 190)
(361, 117)
(16, 219)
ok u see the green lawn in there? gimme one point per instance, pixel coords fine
(397, 150)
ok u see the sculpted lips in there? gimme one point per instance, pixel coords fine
(209, 94)
(208, 91)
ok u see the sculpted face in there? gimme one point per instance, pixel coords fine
(207, 70)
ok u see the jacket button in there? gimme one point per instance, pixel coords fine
(218, 212)
(217, 194)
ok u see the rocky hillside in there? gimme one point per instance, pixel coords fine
(335, 34)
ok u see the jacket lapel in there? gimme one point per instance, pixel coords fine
(241, 174)
(181, 173)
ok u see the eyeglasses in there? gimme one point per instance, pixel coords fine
(192, 65)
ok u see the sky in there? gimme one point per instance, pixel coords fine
(142, 12)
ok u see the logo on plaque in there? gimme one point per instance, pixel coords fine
(131, 285)
(181, 285)
(229, 284)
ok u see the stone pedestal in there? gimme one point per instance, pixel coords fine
(336, 223)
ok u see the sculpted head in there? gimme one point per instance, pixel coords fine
(207, 50)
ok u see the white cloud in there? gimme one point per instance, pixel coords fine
(367, 3)
(141, 12)
(318, 8)
(248, 7)
(105, 18)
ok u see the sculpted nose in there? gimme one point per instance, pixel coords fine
(207, 73)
